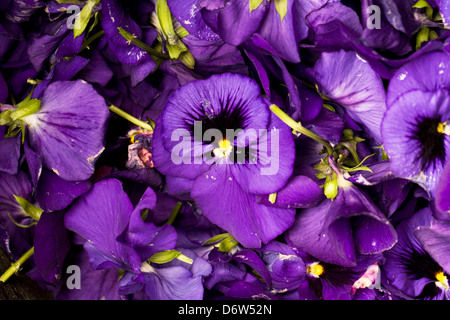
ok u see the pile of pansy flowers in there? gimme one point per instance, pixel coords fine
(106, 166)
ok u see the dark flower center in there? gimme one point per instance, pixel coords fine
(431, 142)
(420, 265)
(232, 115)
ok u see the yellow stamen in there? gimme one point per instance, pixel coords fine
(315, 269)
(224, 149)
(443, 128)
(442, 281)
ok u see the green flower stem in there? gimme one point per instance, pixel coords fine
(130, 118)
(174, 213)
(299, 128)
(132, 39)
(16, 265)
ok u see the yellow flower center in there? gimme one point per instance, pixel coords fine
(442, 281)
(315, 269)
(443, 128)
(224, 149)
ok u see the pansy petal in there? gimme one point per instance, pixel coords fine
(345, 78)
(105, 207)
(188, 14)
(249, 222)
(51, 245)
(299, 192)
(416, 150)
(49, 193)
(435, 239)
(410, 76)
(9, 152)
(69, 128)
(307, 233)
(274, 163)
(443, 190)
(235, 22)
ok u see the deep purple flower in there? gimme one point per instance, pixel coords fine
(275, 30)
(67, 131)
(414, 127)
(338, 230)
(128, 241)
(411, 266)
(219, 103)
(442, 198)
(346, 79)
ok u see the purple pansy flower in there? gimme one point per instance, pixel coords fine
(414, 129)
(128, 242)
(67, 131)
(411, 266)
(221, 103)
(346, 79)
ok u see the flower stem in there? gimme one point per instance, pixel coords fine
(299, 128)
(174, 213)
(130, 118)
(16, 265)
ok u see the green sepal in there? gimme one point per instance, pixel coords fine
(254, 4)
(24, 226)
(29, 209)
(216, 239)
(422, 36)
(188, 59)
(25, 108)
(16, 127)
(5, 117)
(281, 6)
(164, 256)
(227, 244)
(132, 39)
(84, 17)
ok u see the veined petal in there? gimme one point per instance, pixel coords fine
(345, 78)
(69, 129)
(105, 207)
(249, 222)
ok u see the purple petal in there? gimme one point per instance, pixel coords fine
(9, 152)
(348, 80)
(279, 34)
(443, 190)
(410, 76)
(51, 245)
(54, 193)
(188, 14)
(95, 284)
(435, 239)
(248, 221)
(235, 22)
(97, 70)
(69, 128)
(408, 154)
(175, 283)
(105, 207)
(299, 192)
(309, 234)
(274, 165)
(145, 237)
